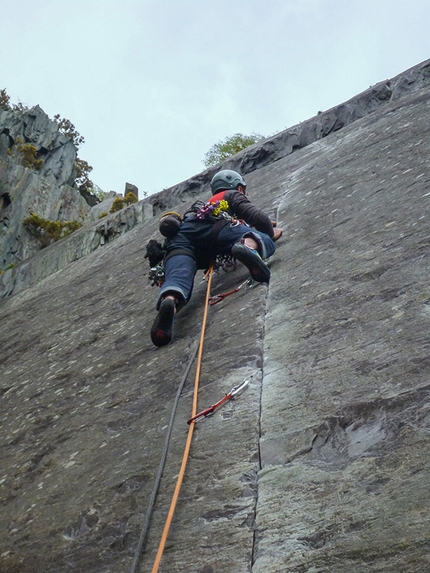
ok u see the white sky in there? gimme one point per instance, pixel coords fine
(153, 84)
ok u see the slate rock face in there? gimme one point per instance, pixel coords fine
(252, 158)
(320, 465)
(102, 208)
(34, 126)
(345, 391)
(48, 192)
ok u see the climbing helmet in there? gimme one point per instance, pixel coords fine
(226, 179)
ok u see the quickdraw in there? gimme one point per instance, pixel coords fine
(156, 275)
(220, 297)
(235, 391)
(225, 263)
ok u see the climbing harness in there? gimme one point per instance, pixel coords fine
(220, 297)
(235, 391)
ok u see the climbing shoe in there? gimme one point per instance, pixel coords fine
(260, 272)
(161, 331)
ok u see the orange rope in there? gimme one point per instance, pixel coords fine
(189, 438)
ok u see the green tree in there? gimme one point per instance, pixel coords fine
(98, 192)
(67, 128)
(83, 181)
(83, 168)
(229, 146)
(4, 100)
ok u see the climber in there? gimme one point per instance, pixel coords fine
(229, 224)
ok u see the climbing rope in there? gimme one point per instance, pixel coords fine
(186, 451)
(161, 465)
(194, 417)
(189, 437)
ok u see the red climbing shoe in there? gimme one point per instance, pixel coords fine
(260, 272)
(161, 331)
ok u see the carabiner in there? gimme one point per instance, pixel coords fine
(240, 387)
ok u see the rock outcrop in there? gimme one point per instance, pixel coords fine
(47, 191)
(322, 463)
(34, 126)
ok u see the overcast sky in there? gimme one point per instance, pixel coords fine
(153, 84)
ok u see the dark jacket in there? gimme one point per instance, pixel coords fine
(241, 207)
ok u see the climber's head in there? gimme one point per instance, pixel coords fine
(227, 179)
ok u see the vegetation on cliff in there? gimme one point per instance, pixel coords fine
(119, 203)
(26, 154)
(230, 146)
(47, 231)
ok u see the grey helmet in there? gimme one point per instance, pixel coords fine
(226, 179)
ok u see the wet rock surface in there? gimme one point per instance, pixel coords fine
(320, 465)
